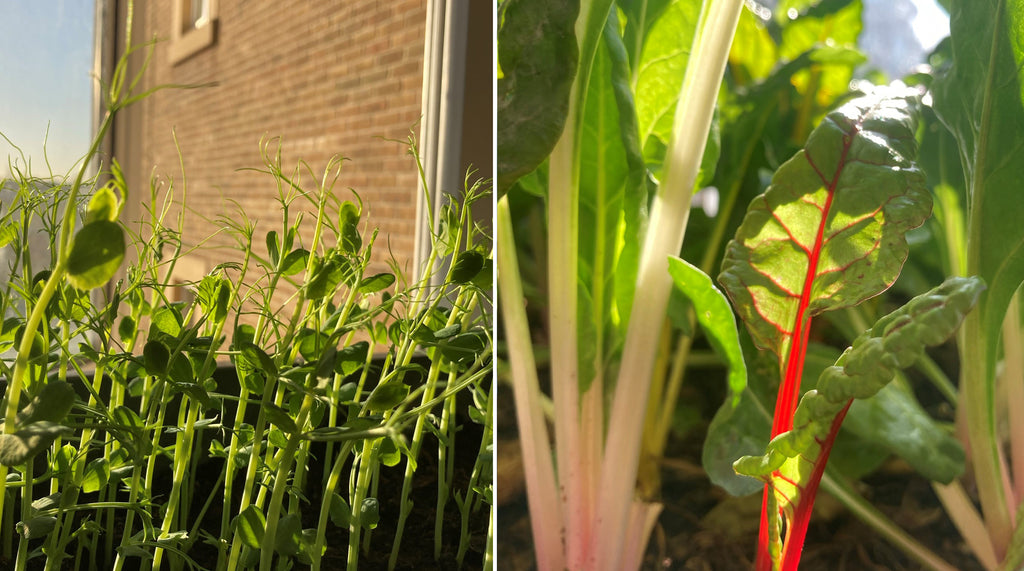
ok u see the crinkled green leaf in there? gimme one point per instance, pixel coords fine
(896, 341)
(830, 230)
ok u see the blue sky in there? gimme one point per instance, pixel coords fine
(46, 65)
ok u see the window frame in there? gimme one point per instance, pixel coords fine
(188, 40)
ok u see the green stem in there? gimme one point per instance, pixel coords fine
(284, 466)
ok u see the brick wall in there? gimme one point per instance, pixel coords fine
(327, 76)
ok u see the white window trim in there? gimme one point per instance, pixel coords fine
(187, 42)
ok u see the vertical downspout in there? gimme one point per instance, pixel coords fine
(440, 140)
(104, 43)
(105, 33)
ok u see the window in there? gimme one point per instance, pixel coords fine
(194, 27)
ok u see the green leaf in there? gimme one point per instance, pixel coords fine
(272, 247)
(259, 359)
(830, 230)
(29, 441)
(467, 266)
(156, 356)
(387, 396)
(753, 49)
(294, 262)
(39, 526)
(340, 513)
(715, 318)
(389, 454)
(537, 59)
(96, 253)
(52, 404)
(351, 240)
(97, 474)
(351, 358)
(326, 275)
(376, 283)
(103, 205)
(166, 321)
(603, 175)
(250, 526)
(894, 419)
(279, 417)
(980, 99)
(8, 231)
(213, 295)
(126, 328)
(663, 60)
(311, 344)
(369, 513)
(289, 535)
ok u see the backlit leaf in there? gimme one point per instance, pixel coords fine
(96, 253)
(830, 230)
(250, 526)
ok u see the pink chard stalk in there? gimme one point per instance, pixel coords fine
(828, 233)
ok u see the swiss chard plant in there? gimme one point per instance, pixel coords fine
(978, 99)
(605, 111)
(829, 233)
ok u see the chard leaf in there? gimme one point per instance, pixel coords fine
(980, 99)
(715, 317)
(829, 232)
(894, 419)
(537, 59)
(666, 51)
(794, 460)
(605, 171)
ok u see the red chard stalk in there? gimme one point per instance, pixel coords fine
(828, 233)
